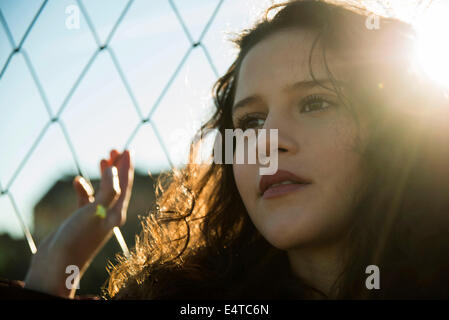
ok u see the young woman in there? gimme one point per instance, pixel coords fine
(356, 122)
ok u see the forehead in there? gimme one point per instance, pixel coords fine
(282, 59)
(283, 49)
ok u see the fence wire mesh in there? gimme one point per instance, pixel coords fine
(54, 118)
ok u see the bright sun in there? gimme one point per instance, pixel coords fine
(433, 42)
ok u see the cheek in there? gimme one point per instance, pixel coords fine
(341, 181)
(241, 176)
(245, 178)
(339, 170)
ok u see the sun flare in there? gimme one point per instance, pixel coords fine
(433, 42)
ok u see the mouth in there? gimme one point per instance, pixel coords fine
(281, 189)
(283, 182)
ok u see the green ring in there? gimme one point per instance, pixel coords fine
(101, 211)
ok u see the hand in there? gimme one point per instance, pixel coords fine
(82, 235)
(125, 174)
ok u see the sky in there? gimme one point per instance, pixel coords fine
(99, 115)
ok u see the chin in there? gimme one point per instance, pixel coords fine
(289, 238)
(283, 244)
(288, 228)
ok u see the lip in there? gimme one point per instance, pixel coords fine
(281, 175)
(282, 189)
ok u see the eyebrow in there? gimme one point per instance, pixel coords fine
(297, 85)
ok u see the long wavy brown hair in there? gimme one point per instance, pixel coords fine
(199, 241)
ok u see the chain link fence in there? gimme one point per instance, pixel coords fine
(54, 117)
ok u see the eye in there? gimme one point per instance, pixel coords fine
(314, 103)
(254, 121)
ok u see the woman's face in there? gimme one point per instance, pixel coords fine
(316, 139)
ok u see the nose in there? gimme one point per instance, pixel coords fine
(286, 142)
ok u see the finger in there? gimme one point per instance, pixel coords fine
(109, 187)
(128, 168)
(125, 172)
(126, 177)
(103, 165)
(83, 190)
(114, 155)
